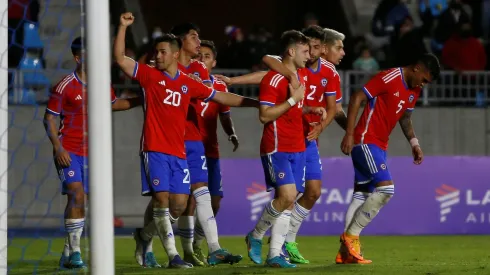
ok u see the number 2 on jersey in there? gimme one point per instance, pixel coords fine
(173, 98)
(400, 106)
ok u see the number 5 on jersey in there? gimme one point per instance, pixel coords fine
(400, 106)
(173, 98)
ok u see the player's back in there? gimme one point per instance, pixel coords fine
(166, 106)
(192, 131)
(388, 99)
(285, 134)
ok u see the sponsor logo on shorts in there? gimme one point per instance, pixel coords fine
(156, 182)
(71, 173)
(383, 166)
(281, 175)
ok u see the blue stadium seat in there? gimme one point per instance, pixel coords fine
(33, 72)
(32, 40)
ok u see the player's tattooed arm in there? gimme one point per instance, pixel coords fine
(340, 116)
(61, 156)
(276, 65)
(126, 64)
(406, 125)
(354, 105)
(251, 78)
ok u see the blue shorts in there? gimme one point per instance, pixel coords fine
(76, 172)
(370, 166)
(313, 161)
(164, 173)
(196, 160)
(284, 168)
(214, 179)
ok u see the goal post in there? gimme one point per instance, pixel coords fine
(3, 137)
(101, 212)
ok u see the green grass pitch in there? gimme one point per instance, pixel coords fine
(429, 255)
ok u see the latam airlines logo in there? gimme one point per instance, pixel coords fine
(258, 197)
(447, 196)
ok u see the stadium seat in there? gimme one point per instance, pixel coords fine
(32, 40)
(33, 72)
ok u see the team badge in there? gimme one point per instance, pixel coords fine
(324, 82)
(71, 173)
(281, 175)
(383, 166)
(410, 98)
(156, 182)
(184, 89)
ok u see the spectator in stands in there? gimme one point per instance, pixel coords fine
(366, 62)
(463, 52)
(407, 43)
(430, 10)
(235, 54)
(447, 24)
(19, 13)
(388, 14)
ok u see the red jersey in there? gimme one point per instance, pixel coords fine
(67, 101)
(285, 134)
(388, 98)
(192, 124)
(324, 81)
(166, 102)
(209, 113)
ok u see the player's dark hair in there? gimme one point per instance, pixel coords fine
(76, 46)
(314, 32)
(291, 38)
(183, 29)
(210, 44)
(431, 63)
(173, 40)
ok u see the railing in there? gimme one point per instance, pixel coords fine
(457, 89)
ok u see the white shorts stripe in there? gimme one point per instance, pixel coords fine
(369, 159)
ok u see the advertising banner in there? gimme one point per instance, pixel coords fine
(443, 195)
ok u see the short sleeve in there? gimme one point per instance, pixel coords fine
(204, 74)
(374, 87)
(142, 73)
(268, 90)
(333, 88)
(412, 101)
(55, 102)
(113, 96)
(199, 90)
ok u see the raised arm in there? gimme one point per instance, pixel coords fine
(126, 64)
(276, 65)
(251, 78)
(233, 100)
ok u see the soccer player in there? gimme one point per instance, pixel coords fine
(323, 89)
(391, 96)
(70, 149)
(165, 174)
(200, 202)
(282, 148)
(209, 113)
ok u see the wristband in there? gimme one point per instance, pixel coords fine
(291, 101)
(414, 142)
(232, 136)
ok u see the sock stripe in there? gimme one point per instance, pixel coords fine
(358, 197)
(390, 189)
(271, 211)
(199, 231)
(201, 193)
(300, 210)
